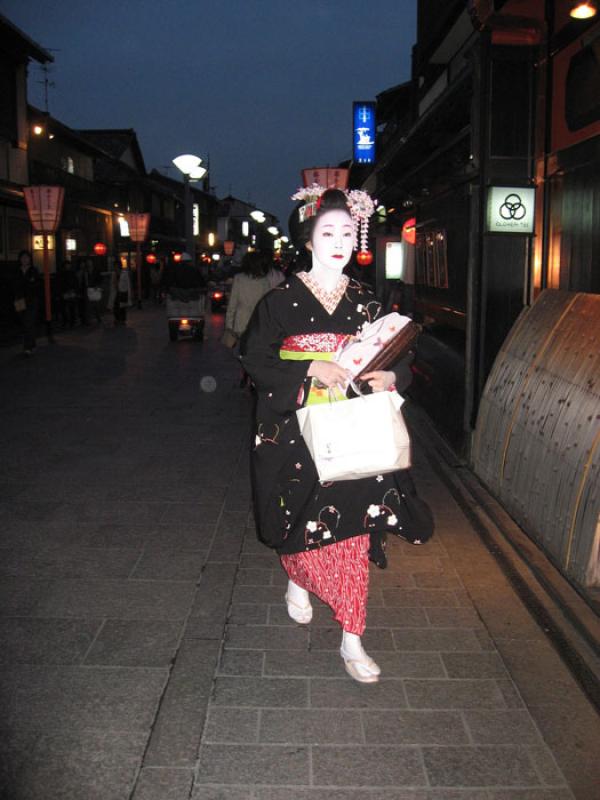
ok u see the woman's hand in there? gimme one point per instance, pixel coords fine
(380, 380)
(328, 373)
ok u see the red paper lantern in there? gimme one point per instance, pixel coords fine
(176, 256)
(100, 249)
(364, 258)
(409, 231)
(151, 258)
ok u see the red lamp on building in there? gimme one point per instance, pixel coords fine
(177, 257)
(100, 249)
(409, 231)
(44, 206)
(151, 258)
(364, 258)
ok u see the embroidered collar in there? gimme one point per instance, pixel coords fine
(329, 300)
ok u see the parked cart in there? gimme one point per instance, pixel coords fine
(185, 313)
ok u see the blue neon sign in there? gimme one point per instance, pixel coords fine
(363, 115)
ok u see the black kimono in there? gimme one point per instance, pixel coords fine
(293, 510)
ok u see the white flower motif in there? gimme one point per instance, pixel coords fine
(379, 478)
(257, 441)
(298, 465)
(327, 535)
(392, 519)
(373, 511)
(311, 526)
(359, 307)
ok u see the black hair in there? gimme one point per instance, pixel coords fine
(301, 232)
(256, 264)
(24, 253)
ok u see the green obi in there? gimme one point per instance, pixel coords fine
(317, 392)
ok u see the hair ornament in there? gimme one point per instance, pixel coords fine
(360, 205)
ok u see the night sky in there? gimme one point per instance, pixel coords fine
(265, 87)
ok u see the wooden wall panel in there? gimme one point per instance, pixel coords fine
(537, 439)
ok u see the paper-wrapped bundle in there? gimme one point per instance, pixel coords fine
(380, 345)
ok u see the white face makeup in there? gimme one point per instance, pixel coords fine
(332, 240)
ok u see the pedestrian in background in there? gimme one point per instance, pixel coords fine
(94, 290)
(324, 533)
(156, 274)
(120, 293)
(69, 290)
(248, 287)
(26, 292)
(274, 274)
(83, 273)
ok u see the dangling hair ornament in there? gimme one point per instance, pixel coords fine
(360, 205)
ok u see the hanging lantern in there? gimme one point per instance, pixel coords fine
(151, 258)
(100, 249)
(364, 258)
(228, 247)
(177, 257)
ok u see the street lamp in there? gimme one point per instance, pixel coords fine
(583, 10)
(257, 216)
(189, 166)
(44, 207)
(138, 231)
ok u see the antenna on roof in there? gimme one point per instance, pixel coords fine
(46, 82)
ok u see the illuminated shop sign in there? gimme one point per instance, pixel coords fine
(510, 209)
(364, 132)
(394, 260)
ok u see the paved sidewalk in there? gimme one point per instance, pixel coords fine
(145, 650)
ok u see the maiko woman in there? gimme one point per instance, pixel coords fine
(322, 532)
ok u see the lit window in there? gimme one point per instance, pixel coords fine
(68, 164)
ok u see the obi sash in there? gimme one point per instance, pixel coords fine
(315, 347)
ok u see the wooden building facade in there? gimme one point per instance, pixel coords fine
(505, 95)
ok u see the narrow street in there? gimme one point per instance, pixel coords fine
(145, 648)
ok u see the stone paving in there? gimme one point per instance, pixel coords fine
(145, 649)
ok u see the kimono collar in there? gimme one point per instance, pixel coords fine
(329, 300)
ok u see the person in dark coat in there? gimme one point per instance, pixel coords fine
(26, 291)
(324, 533)
(69, 289)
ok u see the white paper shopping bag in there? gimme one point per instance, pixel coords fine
(358, 438)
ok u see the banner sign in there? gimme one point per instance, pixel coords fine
(363, 116)
(510, 209)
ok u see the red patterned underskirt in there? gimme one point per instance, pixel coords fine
(314, 342)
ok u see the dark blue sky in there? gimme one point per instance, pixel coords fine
(263, 86)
